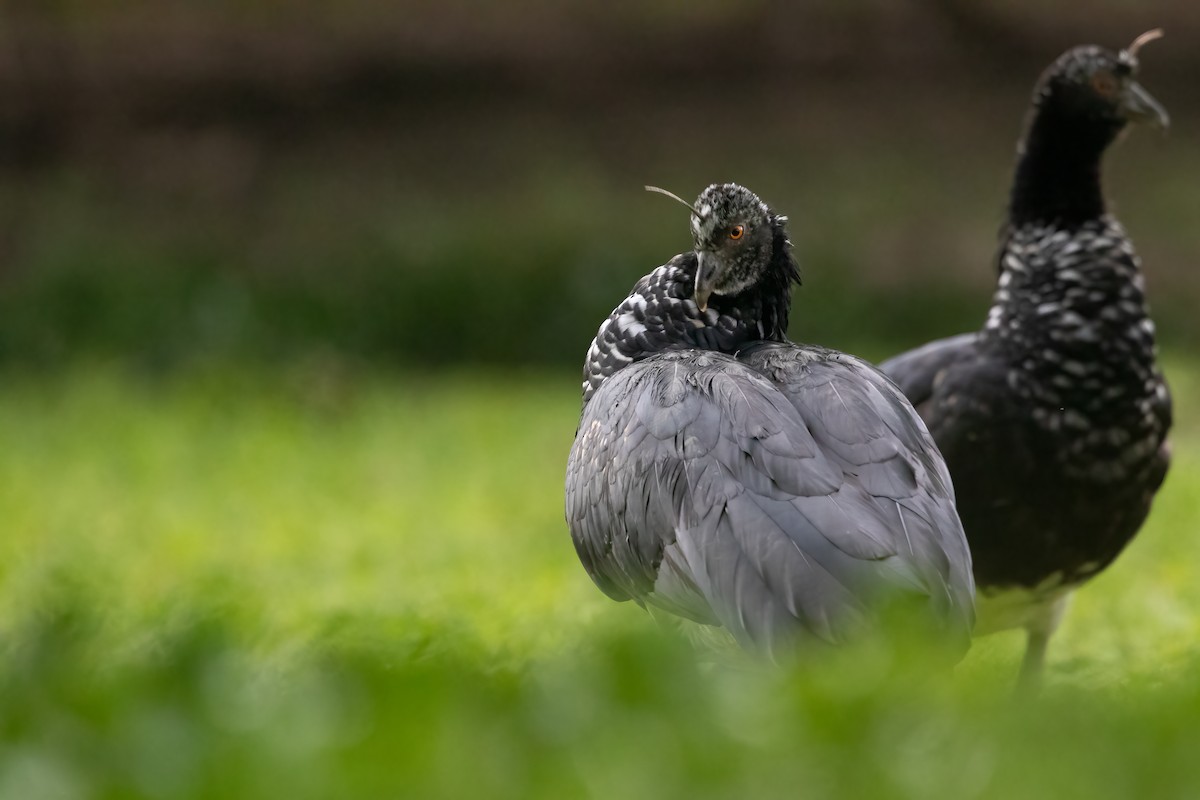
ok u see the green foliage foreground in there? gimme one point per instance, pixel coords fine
(319, 584)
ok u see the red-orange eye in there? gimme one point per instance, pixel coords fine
(736, 232)
(1105, 83)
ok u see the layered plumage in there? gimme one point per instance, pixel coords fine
(719, 472)
(1053, 418)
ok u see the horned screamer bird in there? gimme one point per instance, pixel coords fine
(1053, 418)
(727, 476)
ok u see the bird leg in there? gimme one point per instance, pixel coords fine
(1039, 630)
(1034, 662)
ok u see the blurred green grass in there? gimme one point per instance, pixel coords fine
(321, 580)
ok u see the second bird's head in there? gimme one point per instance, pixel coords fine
(737, 240)
(1097, 84)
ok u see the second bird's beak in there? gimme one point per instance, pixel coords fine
(704, 280)
(1139, 106)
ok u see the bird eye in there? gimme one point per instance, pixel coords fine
(1105, 83)
(736, 232)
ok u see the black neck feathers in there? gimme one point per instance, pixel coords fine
(1057, 179)
(765, 305)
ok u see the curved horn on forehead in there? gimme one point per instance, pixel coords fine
(673, 196)
(1145, 38)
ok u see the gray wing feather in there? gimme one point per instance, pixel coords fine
(697, 486)
(916, 371)
(897, 504)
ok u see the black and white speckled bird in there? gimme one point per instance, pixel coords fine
(1054, 417)
(732, 478)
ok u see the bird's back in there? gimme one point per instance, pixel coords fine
(787, 494)
(1053, 418)
(890, 462)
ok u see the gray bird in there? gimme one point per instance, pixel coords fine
(785, 492)
(1053, 418)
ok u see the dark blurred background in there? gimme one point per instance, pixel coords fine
(425, 183)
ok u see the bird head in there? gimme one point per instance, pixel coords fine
(1095, 83)
(734, 236)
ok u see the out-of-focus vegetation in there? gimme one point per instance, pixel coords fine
(420, 184)
(896, 244)
(322, 581)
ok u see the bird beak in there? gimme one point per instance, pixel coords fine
(705, 270)
(1139, 106)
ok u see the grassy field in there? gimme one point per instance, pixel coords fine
(319, 581)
